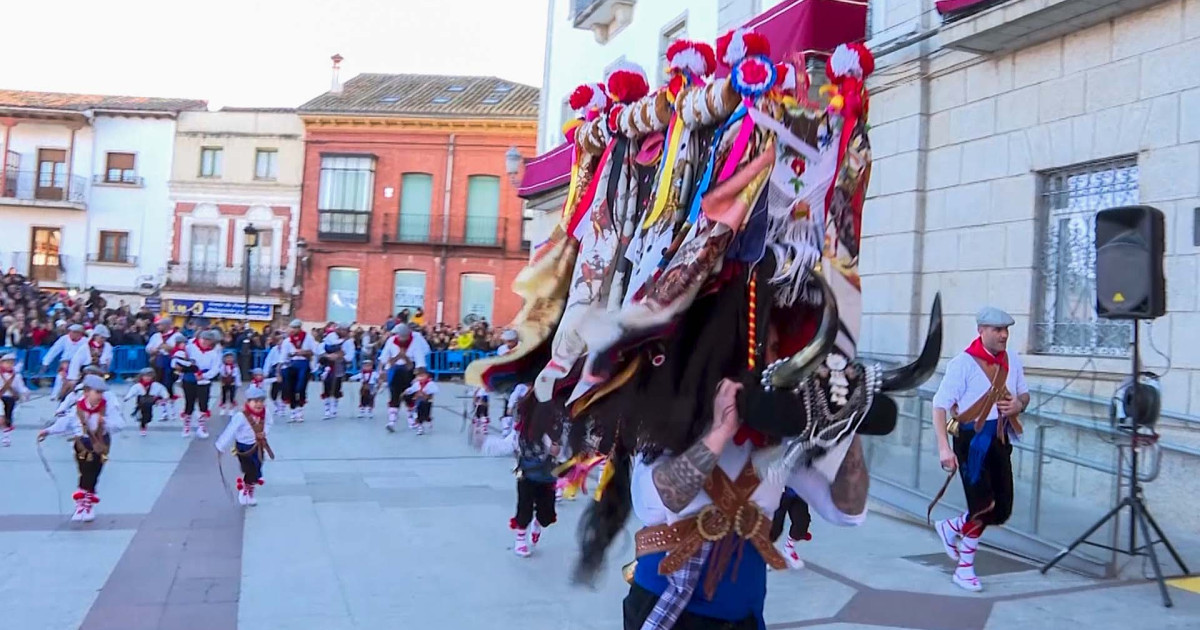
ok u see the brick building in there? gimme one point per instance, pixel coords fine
(407, 200)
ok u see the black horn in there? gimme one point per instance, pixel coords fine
(810, 356)
(917, 372)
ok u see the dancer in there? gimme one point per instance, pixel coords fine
(159, 349)
(12, 390)
(64, 349)
(247, 433)
(199, 364)
(987, 383)
(272, 369)
(421, 394)
(535, 489)
(793, 507)
(369, 380)
(231, 382)
(148, 392)
(480, 417)
(296, 354)
(92, 420)
(97, 351)
(399, 357)
(335, 352)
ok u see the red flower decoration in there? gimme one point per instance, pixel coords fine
(798, 165)
(581, 97)
(627, 86)
(754, 73)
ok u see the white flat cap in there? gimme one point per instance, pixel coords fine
(91, 381)
(992, 316)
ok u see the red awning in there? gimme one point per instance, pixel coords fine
(546, 171)
(792, 26)
(954, 6)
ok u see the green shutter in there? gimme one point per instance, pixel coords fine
(342, 303)
(416, 201)
(476, 295)
(483, 210)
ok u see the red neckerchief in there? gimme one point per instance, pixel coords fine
(297, 339)
(95, 345)
(422, 383)
(257, 381)
(404, 346)
(253, 415)
(366, 373)
(147, 384)
(746, 433)
(228, 368)
(181, 347)
(98, 409)
(202, 348)
(977, 350)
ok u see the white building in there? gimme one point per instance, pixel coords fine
(84, 200)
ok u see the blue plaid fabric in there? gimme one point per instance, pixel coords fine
(680, 586)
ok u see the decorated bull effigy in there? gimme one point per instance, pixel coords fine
(710, 233)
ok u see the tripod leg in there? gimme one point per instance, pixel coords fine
(1140, 514)
(1163, 537)
(1091, 530)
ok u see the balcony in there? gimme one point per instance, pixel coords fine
(603, 17)
(183, 276)
(123, 181)
(465, 231)
(990, 27)
(344, 225)
(100, 259)
(32, 188)
(40, 267)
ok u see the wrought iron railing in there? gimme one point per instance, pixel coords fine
(42, 266)
(472, 231)
(225, 277)
(123, 180)
(343, 225)
(34, 186)
(122, 259)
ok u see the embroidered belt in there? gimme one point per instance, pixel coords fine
(731, 515)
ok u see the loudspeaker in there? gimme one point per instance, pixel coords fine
(1130, 284)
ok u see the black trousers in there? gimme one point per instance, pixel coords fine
(228, 394)
(332, 386)
(366, 398)
(399, 378)
(535, 497)
(195, 394)
(89, 462)
(10, 405)
(640, 602)
(295, 384)
(424, 411)
(145, 413)
(250, 459)
(990, 499)
(276, 389)
(795, 508)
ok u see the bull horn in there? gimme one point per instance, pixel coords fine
(911, 375)
(797, 368)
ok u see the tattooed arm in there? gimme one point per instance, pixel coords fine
(679, 479)
(849, 489)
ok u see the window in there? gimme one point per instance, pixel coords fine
(345, 196)
(206, 247)
(342, 304)
(441, 100)
(483, 210)
(416, 203)
(670, 33)
(456, 88)
(114, 246)
(266, 164)
(1066, 319)
(120, 168)
(210, 161)
(477, 292)
(409, 291)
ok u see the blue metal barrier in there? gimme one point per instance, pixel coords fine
(129, 360)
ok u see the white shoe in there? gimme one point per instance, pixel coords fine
(78, 515)
(391, 427)
(5, 440)
(420, 429)
(522, 547)
(250, 500)
(949, 536)
(202, 431)
(535, 533)
(791, 557)
(242, 496)
(187, 428)
(89, 513)
(968, 582)
(964, 575)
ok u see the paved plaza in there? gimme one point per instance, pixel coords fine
(357, 528)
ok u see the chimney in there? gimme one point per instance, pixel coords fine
(336, 85)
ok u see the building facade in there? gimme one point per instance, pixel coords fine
(234, 169)
(999, 130)
(407, 198)
(84, 197)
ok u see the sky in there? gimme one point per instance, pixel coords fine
(262, 53)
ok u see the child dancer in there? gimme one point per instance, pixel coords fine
(481, 418)
(12, 389)
(91, 419)
(231, 382)
(258, 379)
(198, 366)
(793, 507)
(369, 380)
(97, 351)
(147, 392)
(247, 432)
(535, 489)
(334, 352)
(272, 366)
(421, 394)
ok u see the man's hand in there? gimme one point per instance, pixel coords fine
(1010, 406)
(725, 412)
(41, 436)
(948, 459)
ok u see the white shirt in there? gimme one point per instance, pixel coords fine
(158, 342)
(231, 369)
(287, 348)
(416, 353)
(83, 358)
(72, 397)
(428, 388)
(515, 397)
(156, 389)
(271, 362)
(348, 349)
(807, 482)
(208, 362)
(370, 381)
(965, 383)
(67, 419)
(239, 429)
(64, 348)
(19, 389)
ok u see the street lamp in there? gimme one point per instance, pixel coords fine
(512, 165)
(250, 241)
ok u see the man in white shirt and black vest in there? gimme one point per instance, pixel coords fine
(976, 416)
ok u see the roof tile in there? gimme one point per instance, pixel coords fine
(83, 102)
(429, 95)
